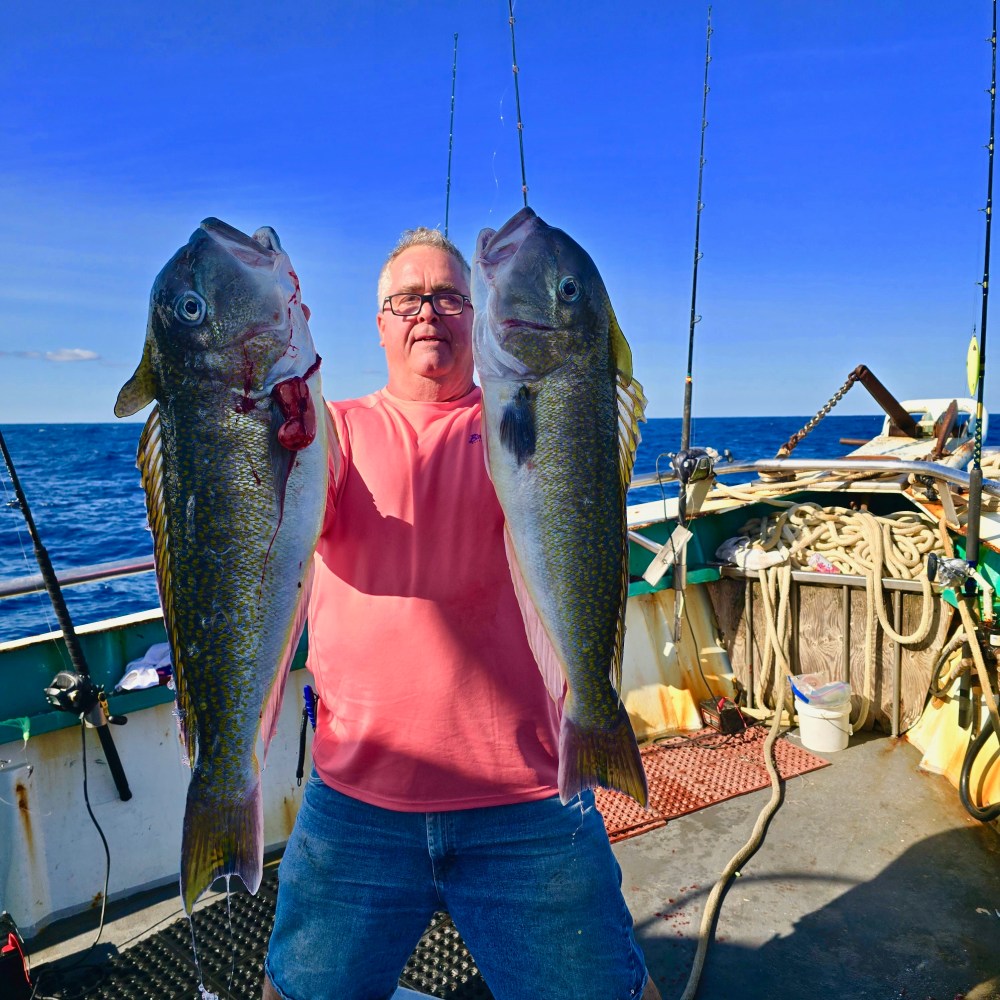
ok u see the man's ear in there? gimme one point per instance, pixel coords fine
(380, 323)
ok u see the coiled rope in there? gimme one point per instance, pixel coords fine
(851, 541)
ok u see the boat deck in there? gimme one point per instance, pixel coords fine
(872, 882)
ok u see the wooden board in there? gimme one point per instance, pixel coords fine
(816, 640)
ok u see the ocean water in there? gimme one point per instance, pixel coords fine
(83, 489)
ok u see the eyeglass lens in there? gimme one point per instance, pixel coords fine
(443, 303)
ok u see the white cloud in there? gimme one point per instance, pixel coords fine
(71, 354)
(63, 354)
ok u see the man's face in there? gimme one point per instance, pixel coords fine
(428, 356)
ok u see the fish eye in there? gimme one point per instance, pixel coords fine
(569, 289)
(190, 308)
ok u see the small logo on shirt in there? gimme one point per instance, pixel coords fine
(473, 438)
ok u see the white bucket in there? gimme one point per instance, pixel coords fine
(824, 728)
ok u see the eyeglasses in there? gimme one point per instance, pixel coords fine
(410, 303)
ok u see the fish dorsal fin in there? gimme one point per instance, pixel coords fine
(621, 353)
(149, 461)
(549, 664)
(631, 401)
(631, 411)
(272, 704)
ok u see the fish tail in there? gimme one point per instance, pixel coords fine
(221, 838)
(592, 756)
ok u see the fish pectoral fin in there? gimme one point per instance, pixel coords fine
(149, 460)
(140, 389)
(517, 426)
(595, 756)
(221, 838)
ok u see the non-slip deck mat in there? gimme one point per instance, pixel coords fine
(161, 966)
(686, 773)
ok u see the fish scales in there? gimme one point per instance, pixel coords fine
(578, 549)
(560, 417)
(234, 465)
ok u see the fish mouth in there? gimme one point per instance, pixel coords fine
(260, 250)
(496, 247)
(516, 323)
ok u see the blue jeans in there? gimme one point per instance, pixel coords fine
(533, 889)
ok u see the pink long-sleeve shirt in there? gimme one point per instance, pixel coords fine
(430, 698)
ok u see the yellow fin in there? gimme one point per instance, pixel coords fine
(221, 838)
(149, 461)
(621, 353)
(609, 758)
(140, 389)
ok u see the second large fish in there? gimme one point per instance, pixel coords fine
(234, 465)
(560, 417)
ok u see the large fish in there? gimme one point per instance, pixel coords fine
(561, 412)
(234, 465)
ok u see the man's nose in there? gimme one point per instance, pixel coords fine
(428, 306)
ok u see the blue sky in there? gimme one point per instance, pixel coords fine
(846, 169)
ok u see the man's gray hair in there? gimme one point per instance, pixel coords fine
(419, 237)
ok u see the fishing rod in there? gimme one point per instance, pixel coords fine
(686, 422)
(976, 473)
(986, 813)
(451, 133)
(75, 693)
(517, 101)
(693, 465)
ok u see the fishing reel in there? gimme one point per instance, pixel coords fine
(72, 692)
(694, 465)
(957, 574)
(953, 573)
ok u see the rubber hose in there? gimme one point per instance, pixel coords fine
(950, 646)
(983, 813)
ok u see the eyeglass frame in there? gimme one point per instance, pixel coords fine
(426, 297)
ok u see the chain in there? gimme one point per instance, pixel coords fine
(786, 449)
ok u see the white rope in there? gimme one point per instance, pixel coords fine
(853, 542)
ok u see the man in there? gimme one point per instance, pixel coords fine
(435, 749)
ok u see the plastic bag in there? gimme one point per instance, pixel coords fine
(740, 551)
(151, 670)
(814, 689)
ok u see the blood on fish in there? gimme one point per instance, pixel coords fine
(295, 402)
(246, 402)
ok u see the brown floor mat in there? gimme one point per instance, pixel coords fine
(686, 773)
